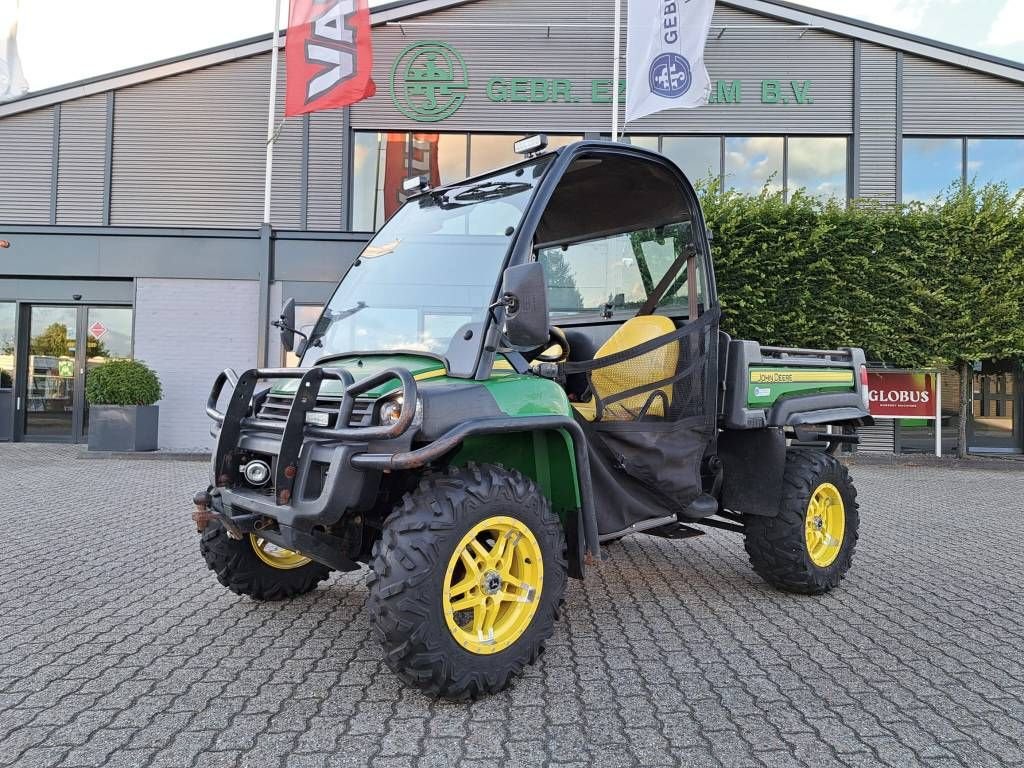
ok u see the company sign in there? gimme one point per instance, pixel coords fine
(902, 394)
(430, 80)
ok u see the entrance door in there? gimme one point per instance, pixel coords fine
(61, 344)
(996, 425)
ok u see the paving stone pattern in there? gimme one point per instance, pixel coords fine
(119, 648)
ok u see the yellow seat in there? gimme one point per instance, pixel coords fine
(657, 365)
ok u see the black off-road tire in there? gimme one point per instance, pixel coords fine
(777, 546)
(239, 569)
(409, 567)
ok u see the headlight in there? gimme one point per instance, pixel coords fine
(390, 411)
(256, 473)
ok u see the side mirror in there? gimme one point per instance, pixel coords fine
(524, 294)
(287, 325)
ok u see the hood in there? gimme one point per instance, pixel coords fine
(364, 366)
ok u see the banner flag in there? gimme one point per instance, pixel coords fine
(12, 79)
(328, 55)
(665, 55)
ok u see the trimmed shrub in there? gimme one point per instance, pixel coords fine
(6, 382)
(122, 382)
(923, 284)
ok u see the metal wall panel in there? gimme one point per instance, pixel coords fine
(946, 100)
(486, 35)
(880, 437)
(189, 150)
(326, 155)
(878, 130)
(83, 126)
(26, 165)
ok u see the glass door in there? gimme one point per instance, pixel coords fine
(7, 346)
(50, 379)
(996, 425)
(60, 346)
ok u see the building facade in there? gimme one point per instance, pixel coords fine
(132, 204)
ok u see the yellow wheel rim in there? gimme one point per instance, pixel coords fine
(275, 556)
(493, 585)
(825, 524)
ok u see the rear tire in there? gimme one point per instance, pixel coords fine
(482, 537)
(244, 572)
(808, 547)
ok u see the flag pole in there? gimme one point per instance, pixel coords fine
(617, 41)
(272, 111)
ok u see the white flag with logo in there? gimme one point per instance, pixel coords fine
(12, 80)
(665, 55)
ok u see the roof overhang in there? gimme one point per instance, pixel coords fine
(405, 9)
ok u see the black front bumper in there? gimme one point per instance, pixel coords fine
(314, 480)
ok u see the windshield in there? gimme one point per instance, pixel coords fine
(430, 271)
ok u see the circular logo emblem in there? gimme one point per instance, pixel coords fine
(429, 81)
(670, 75)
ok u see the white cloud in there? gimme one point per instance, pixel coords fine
(906, 15)
(1008, 27)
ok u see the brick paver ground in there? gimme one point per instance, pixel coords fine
(119, 647)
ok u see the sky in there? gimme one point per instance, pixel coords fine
(63, 41)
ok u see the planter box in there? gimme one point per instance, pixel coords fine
(123, 428)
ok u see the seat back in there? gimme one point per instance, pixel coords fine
(656, 365)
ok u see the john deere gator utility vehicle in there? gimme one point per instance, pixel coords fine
(518, 367)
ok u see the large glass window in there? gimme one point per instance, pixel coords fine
(382, 161)
(700, 157)
(652, 143)
(930, 167)
(998, 161)
(753, 163)
(489, 151)
(817, 165)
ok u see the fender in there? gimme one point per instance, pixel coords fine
(587, 542)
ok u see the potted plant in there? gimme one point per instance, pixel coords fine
(122, 414)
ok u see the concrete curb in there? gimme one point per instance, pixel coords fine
(1006, 464)
(144, 456)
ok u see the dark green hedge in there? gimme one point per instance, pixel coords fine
(122, 382)
(914, 285)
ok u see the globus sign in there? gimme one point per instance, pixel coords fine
(902, 394)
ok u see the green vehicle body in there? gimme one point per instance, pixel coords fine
(764, 399)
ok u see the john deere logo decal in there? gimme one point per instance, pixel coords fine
(429, 81)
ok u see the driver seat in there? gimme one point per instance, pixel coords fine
(656, 365)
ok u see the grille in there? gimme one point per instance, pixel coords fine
(276, 407)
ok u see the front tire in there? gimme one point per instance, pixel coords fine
(467, 581)
(251, 566)
(808, 547)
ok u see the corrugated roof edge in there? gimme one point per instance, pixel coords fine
(398, 9)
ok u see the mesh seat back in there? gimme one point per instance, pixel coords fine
(657, 365)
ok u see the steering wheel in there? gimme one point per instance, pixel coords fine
(556, 338)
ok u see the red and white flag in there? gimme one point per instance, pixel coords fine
(328, 55)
